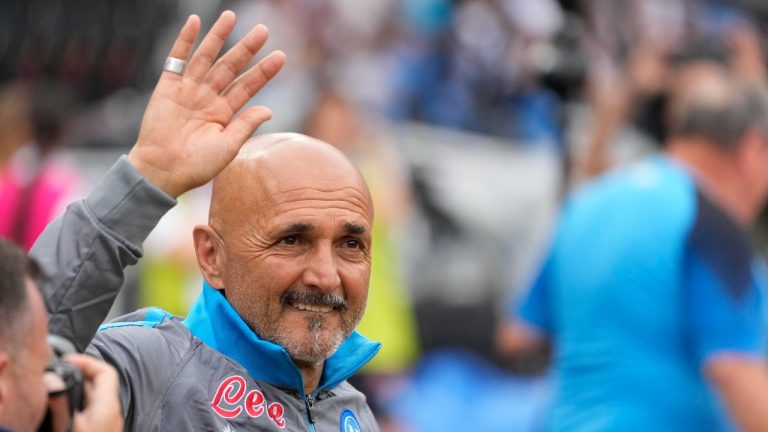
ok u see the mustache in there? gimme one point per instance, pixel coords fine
(332, 300)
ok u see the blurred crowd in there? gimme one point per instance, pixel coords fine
(470, 119)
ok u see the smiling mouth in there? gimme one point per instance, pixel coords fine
(312, 307)
(310, 302)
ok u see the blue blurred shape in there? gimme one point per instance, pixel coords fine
(455, 390)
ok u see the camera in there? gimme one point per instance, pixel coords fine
(69, 385)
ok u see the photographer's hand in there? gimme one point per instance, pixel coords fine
(102, 397)
(191, 129)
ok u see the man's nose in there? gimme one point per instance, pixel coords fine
(321, 271)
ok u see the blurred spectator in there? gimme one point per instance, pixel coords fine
(632, 66)
(651, 294)
(474, 65)
(480, 207)
(92, 48)
(35, 184)
(168, 274)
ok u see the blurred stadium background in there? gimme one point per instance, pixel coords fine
(471, 120)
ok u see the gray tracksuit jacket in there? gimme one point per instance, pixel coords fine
(208, 372)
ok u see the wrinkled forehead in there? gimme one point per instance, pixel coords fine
(316, 160)
(303, 184)
(295, 175)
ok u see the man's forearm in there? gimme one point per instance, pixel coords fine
(742, 384)
(83, 253)
(193, 127)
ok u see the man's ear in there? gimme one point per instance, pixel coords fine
(210, 255)
(751, 148)
(752, 155)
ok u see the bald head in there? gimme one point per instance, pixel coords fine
(274, 166)
(289, 243)
(709, 101)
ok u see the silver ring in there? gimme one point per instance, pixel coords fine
(177, 66)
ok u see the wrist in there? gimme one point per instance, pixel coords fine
(158, 177)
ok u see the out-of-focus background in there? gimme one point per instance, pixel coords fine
(471, 119)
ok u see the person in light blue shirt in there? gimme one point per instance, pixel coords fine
(650, 294)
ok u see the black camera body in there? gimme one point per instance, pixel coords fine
(69, 374)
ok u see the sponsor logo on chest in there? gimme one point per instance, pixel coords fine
(233, 399)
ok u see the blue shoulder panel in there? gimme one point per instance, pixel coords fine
(723, 245)
(153, 317)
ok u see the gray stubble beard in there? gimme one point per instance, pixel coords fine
(296, 345)
(270, 331)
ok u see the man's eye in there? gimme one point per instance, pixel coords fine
(352, 244)
(289, 240)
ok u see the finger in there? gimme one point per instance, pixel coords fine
(90, 366)
(101, 376)
(58, 409)
(209, 48)
(233, 61)
(102, 409)
(184, 42)
(245, 87)
(245, 124)
(53, 383)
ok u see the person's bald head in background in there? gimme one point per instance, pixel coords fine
(718, 124)
(289, 241)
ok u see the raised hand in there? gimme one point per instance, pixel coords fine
(191, 128)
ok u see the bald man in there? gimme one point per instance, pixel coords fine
(651, 294)
(270, 341)
(288, 243)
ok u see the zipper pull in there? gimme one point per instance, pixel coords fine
(309, 401)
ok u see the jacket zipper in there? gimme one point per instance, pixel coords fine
(308, 402)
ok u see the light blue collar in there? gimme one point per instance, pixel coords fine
(213, 320)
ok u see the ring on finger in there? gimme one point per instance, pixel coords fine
(174, 65)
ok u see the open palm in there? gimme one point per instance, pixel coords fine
(193, 126)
